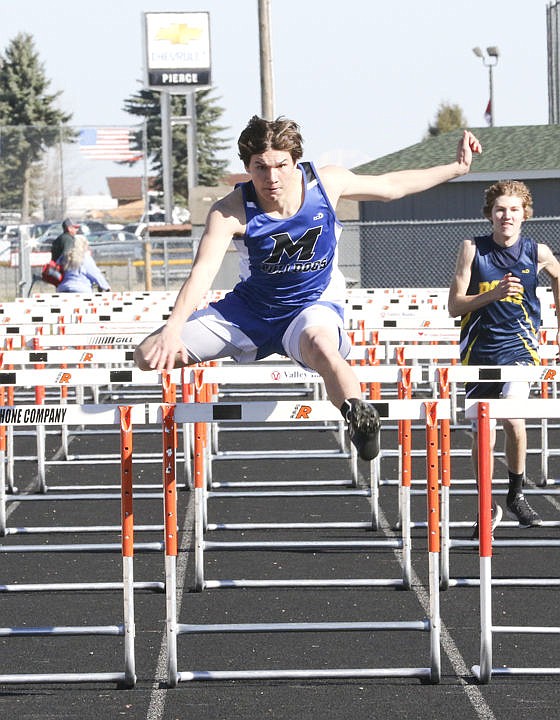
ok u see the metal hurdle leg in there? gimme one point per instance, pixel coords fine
(484, 671)
(445, 510)
(170, 539)
(445, 452)
(200, 506)
(374, 473)
(2, 486)
(432, 475)
(10, 454)
(41, 472)
(405, 432)
(127, 521)
(545, 453)
(10, 468)
(171, 617)
(187, 455)
(187, 433)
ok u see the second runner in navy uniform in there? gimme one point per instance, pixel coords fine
(495, 293)
(504, 332)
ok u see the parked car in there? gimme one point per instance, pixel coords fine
(139, 229)
(117, 244)
(89, 228)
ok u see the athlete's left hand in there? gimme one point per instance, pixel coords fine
(468, 144)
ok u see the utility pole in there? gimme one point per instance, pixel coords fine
(267, 82)
(166, 155)
(553, 50)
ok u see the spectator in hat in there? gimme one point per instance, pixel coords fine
(65, 240)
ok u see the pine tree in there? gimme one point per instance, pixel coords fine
(449, 117)
(30, 123)
(146, 104)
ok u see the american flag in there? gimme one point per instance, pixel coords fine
(107, 143)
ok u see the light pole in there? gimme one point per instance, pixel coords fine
(490, 61)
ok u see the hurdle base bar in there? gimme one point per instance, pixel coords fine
(512, 542)
(290, 526)
(90, 547)
(62, 630)
(51, 497)
(63, 587)
(505, 671)
(41, 530)
(527, 629)
(304, 545)
(221, 628)
(282, 454)
(279, 483)
(288, 493)
(343, 673)
(338, 582)
(40, 678)
(505, 582)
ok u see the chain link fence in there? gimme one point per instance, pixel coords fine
(387, 254)
(419, 254)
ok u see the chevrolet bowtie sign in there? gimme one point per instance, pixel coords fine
(177, 50)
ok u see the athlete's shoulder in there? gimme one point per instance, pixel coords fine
(230, 211)
(334, 180)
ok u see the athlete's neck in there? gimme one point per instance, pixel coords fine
(505, 240)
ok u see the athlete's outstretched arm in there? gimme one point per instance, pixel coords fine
(342, 183)
(164, 349)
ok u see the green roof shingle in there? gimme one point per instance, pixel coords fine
(504, 149)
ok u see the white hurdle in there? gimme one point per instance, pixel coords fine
(484, 412)
(66, 378)
(286, 411)
(125, 417)
(445, 377)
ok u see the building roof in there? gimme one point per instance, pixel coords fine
(520, 150)
(125, 188)
(234, 178)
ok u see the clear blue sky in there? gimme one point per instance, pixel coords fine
(363, 78)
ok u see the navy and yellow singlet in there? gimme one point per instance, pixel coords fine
(504, 332)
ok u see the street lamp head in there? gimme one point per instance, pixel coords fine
(478, 52)
(493, 51)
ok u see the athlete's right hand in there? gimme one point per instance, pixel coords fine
(167, 350)
(509, 286)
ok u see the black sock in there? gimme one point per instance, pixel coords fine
(515, 485)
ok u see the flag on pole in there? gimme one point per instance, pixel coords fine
(488, 113)
(107, 143)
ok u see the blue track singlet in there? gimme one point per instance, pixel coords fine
(286, 265)
(503, 332)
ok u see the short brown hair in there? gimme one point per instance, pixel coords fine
(508, 187)
(261, 135)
